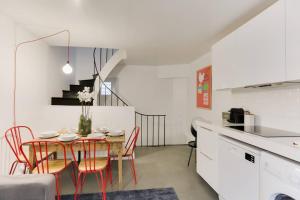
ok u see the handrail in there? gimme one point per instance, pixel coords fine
(149, 114)
(158, 120)
(95, 65)
(107, 88)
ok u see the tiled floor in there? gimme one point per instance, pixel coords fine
(157, 167)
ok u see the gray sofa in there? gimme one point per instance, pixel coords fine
(27, 187)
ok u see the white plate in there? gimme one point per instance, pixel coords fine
(96, 135)
(67, 139)
(48, 134)
(102, 130)
(115, 133)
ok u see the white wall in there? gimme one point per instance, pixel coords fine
(82, 60)
(6, 51)
(221, 101)
(56, 79)
(152, 90)
(274, 107)
(39, 76)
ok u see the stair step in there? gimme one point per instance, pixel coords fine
(66, 101)
(69, 94)
(87, 82)
(77, 88)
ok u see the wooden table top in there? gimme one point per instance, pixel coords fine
(110, 139)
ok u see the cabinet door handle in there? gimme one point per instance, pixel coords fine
(205, 128)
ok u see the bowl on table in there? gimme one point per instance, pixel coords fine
(68, 137)
(115, 133)
(102, 130)
(96, 135)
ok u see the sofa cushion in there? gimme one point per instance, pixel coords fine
(27, 187)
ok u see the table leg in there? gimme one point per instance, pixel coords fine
(120, 169)
(31, 161)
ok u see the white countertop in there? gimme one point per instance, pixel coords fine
(282, 146)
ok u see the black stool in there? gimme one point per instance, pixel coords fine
(192, 144)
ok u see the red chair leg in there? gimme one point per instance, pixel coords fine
(133, 169)
(130, 165)
(73, 175)
(103, 186)
(13, 167)
(57, 187)
(98, 181)
(82, 182)
(109, 173)
(77, 186)
(25, 167)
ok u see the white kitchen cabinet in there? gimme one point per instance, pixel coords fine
(254, 53)
(207, 155)
(293, 40)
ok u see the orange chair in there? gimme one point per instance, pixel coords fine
(128, 151)
(14, 137)
(41, 165)
(91, 163)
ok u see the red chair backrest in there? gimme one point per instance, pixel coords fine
(90, 147)
(41, 154)
(131, 143)
(15, 136)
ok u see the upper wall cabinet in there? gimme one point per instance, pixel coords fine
(254, 53)
(293, 40)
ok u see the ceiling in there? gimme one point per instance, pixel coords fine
(154, 32)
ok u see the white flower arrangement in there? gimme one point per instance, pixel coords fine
(86, 97)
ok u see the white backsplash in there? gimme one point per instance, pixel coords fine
(277, 107)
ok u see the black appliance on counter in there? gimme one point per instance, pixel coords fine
(236, 115)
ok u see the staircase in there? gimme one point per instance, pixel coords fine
(69, 97)
(152, 126)
(109, 58)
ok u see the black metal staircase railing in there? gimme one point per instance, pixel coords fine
(152, 126)
(151, 129)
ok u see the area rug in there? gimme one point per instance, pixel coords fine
(149, 194)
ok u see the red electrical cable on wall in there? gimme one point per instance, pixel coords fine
(15, 65)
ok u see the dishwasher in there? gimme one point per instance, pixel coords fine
(238, 170)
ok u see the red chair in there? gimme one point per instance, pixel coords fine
(128, 151)
(42, 165)
(91, 163)
(14, 137)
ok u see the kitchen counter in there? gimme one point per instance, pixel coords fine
(282, 146)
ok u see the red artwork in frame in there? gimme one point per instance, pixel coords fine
(204, 88)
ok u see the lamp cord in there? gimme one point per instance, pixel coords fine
(15, 65)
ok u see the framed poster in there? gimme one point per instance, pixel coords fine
(204, 88)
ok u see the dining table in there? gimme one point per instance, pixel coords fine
(116, 148)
